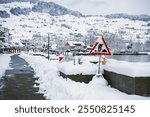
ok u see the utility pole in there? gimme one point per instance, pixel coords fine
(48, 46)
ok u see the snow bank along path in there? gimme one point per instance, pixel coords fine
(86, 68)
(4, 63)
(55, 87)
(133, 69)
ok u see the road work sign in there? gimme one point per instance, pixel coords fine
(100, 47)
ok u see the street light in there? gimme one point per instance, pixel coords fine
(48, 46)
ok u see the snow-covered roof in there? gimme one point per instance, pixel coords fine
(74, 43)
(54, 46)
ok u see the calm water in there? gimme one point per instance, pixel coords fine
(132, 58)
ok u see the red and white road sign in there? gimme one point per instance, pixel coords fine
(100, 47)
(61, 57)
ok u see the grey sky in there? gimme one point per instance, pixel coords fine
(98, 7)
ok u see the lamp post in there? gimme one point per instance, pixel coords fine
(48, 46)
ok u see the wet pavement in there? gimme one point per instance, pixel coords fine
(18, 82)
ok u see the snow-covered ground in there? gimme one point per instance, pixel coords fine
(71, 69)
(55, 87)
(52, 56)
(4, 63)
(133, 69)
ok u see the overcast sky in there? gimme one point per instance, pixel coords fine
(98, 7)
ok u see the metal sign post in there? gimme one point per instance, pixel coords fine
(99, 64)
(99, 50)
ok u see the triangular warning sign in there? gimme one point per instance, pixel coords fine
(100, 47)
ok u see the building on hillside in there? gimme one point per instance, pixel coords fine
(5, 37)
(4, 34)
(29, 44)
(75, 46)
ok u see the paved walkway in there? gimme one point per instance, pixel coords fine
(18, 82)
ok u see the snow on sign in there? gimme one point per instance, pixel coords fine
(100, 47)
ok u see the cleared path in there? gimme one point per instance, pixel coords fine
(18, 82)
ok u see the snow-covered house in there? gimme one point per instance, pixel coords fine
(75, 46)
(4, 34)
(4, 37)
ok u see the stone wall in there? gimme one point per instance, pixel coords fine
(127, 84)
(78, 77)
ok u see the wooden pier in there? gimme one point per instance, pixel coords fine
(10, 50)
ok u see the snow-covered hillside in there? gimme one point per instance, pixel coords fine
(71, 27)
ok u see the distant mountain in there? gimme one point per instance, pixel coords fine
(131, 17)
(53, 9)
(9, 1)
(43, 7)
(4, 14)
(20, 11)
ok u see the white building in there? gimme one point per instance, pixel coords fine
(75, 46)
(5, 37)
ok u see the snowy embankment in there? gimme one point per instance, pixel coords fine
(4, 63)
(52, 57)
(133, 69)
(70, 69)
(55, 87)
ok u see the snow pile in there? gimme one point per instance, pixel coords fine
(70, 69)
(52, 56)
(91, 58)
(4, 63)
(55, 87)
(133, 69)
